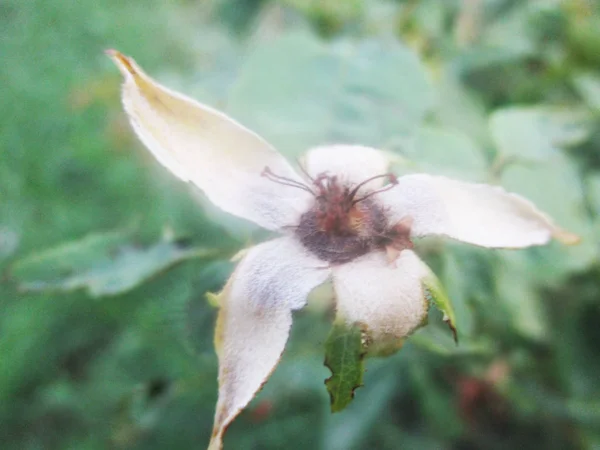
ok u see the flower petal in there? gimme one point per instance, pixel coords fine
(479, 214)
(353, 163)
(273, 279)
(387, 298)
(204, 146)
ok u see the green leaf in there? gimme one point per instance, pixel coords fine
(9, 241)
(593, 194)
(329, 16)
(460, 284)
(445, 152)
(511, 33)
(555, 187)
(519, 296)
(436, 293)
(349, 431)
(538, 132)
(103, 263)
(61, 261)
(437, 341)
(300, 92)
(457, 108)
(588, 86)
(439, 407)
(344, 356)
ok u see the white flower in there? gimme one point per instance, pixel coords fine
(338, 220)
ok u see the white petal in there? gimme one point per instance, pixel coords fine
(387, 298)
(254, 321)
(204, 146)
(479, 214)
(353, 163)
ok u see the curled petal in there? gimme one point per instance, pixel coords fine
(386, 298)
(204, 146)
(478, 214)
(273, 279)
(352, 163)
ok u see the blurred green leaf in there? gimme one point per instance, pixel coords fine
(536, 133)
(594, 193)
(344, 356)
(522, 301)
(584, 33)
(103, 263)
(9, 242)
(512, 32)
(457, 107)
(300, 92)
(459, 284)
(588, 86)
(445, 152)
(438, 406)
(555, 187)
(328, 15)
(438, 341)
(594, 200)
(238, 15)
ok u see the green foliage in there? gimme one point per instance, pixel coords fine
(534, 133)
(370, 91)
(499, 91)
(344, 354)
(444, 151)
(104, 264)
(436, 295)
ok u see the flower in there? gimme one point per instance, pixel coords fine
(339, 220)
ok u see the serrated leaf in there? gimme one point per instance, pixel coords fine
(349, 431)
(103, 264)
(344, 356)
(538, 132)
(299, 92)
(436, 293)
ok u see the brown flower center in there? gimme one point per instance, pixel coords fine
(342, 225)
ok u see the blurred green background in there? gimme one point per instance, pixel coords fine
(105, 327)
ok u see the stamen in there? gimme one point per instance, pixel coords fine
(393, 182)
(391, 176)
(267, 173)
(320, 181)
(304, 171)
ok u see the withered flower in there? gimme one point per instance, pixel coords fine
(343, 218)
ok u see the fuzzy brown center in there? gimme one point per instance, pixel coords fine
(340, 227)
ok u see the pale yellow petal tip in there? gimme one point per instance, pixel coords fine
(216, 439)
(566, 237)
(216, 442)
(125, 64)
